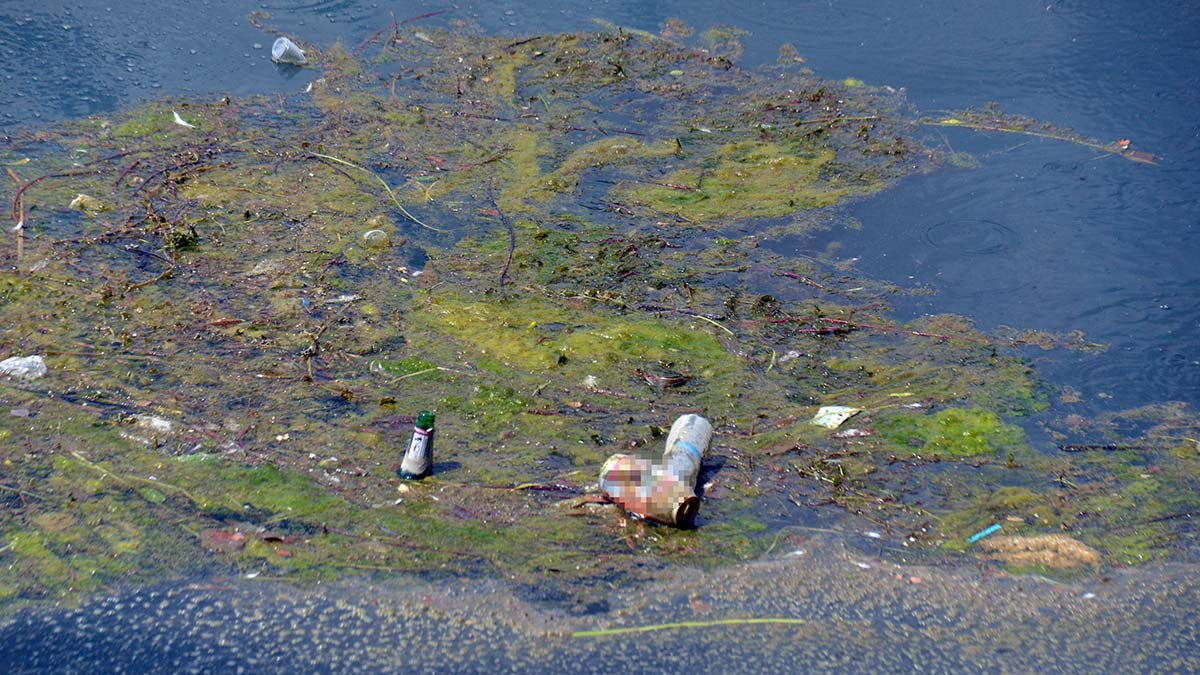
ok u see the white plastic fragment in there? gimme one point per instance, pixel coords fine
(182, 122)
(375, 237)
(154, 424)
(24, 367)
(87, 203)
(853, 433)
(832, 416)
(285, 51)
(148, 430)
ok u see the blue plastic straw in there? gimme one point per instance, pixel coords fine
(983, 533)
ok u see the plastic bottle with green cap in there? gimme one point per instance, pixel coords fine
(418, 460)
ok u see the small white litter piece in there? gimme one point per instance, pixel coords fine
(24, 367)
(832, 416)
(157, 425)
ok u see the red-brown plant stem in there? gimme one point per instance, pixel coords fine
(854, 325)
(20, 225)
(16, 202)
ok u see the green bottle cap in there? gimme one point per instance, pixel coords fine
(425, 420)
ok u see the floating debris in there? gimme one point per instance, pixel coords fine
(88, 204)
(182, 122)
(286, 52)
(1052, 550)
(375, 237)
(666, 491)
(988, 531)
(832, 416)
(26, 368)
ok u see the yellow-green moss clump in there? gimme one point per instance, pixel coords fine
(955, 432)
(750, 179)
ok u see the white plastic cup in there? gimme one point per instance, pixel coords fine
(375, 238)
(285, 51)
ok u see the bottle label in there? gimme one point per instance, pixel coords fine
(690, 448)
(419, 446)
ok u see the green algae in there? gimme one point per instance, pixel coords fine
(955, 432)
(748, 180)
(234, 370)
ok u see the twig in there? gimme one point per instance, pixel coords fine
(20, 228)
(1000, 126)
(803, 279)
(385, 187)
(603, 632)
(394, 25)
(541, 487)
(128, 169)
(124, 480)
(852, 325)
(20, 494)
(426, 15)
(1115, 447)
(1173, 516)
(142, 284)
(66, 174)
(705, 318)
(326, 529)
(512, 234)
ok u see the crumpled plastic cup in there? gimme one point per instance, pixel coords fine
(285, 51)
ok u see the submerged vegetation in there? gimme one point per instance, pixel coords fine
(554, 243)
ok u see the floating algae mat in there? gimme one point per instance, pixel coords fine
(554, 244)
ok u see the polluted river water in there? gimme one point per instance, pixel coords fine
(562, 230)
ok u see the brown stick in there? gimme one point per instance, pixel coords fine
(20, 225)
(394, 26)
(131, 167)
(851, 325)
(802, 279)
(512, 234)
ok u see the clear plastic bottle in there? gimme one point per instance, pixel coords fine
(418, 460)
(663, 491)
(686, 446)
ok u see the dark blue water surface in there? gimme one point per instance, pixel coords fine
(1042, 235)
